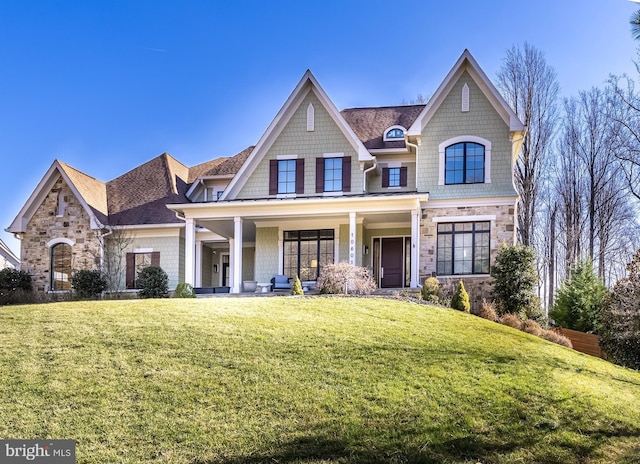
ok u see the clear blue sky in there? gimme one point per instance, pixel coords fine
(107, 85)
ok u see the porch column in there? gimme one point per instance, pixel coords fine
(198, 263)
(352, 238)
(237, 255)
(189, 251)
(415, 249)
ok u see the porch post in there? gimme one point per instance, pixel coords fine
(189, 251)
(352, 238)
(198, 263)
(237, 255)
(415, 248)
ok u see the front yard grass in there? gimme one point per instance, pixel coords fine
(308, 380)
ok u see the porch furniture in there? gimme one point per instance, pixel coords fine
(249, 285)
(280, 282)
(263, 287)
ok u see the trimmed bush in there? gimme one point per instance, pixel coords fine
(511, 320)
(13, 279)
(153, 282)
(555, 337)
(296, 288)
(345, 278)
(487, 311)
(460, 299)
(430, 290)
(516, 279)
(88, 283)
(15, 287)
(184, 290)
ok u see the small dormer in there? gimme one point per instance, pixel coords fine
(394, 134)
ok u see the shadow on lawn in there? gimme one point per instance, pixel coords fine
(318, 448)
(473, 448)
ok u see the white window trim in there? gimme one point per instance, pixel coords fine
(458, 219)
(311, 118)
(460, 139)
(286, 157)
(396, 139)
(56, 241)
(333, 155)
(143, 250)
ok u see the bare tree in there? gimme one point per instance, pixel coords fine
(113, 245)
(530, 86)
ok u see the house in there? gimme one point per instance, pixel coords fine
(7, 258)
(408, 191)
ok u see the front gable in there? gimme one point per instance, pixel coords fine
(308, 126)
(56, 172)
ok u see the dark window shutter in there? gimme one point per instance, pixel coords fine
(319, 175)
(300, 176)
(273, 177)
(155, 258)
(385, 177)
(346, 174)
(403, 176)
(131, 270)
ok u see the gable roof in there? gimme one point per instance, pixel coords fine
(80, 184)
(466, 62)
(307, 84)
(369, 124)
(7, 254)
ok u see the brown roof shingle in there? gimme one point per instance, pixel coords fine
(92, 190)
(369, 123)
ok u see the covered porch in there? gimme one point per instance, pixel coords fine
(231, 242)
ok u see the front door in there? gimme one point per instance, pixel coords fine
(392, 269)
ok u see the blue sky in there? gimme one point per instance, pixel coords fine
(107, 85)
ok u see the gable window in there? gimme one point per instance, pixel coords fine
(394, 133)
(61, 204)
(333, 174)
(463, 248)
(136, 262)
(286, 176)
(464, 163)
(60, 267)
(394, 177)
(306, 251)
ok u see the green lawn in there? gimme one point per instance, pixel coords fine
(308, 380)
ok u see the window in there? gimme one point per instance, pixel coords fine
(463, 248)
(394, 133)
(138, 261)
(60, 267)
(464, 163)
(286, 176)
(61, 204)
(394, 177)
(306, 251)
(333, 174)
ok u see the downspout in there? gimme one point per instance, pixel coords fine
(406, 142)
(19, 236)
(366, 171)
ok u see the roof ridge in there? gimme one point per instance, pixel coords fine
(68, 166)
(382, 107)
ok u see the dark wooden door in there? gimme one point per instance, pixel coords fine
(392, 271)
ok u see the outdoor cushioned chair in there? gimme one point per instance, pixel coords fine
(280, 282)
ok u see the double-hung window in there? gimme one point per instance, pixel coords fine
(333, 174)
(394, 177)
(464, 163)
(136, 262)
(286, 176)
(463, 248)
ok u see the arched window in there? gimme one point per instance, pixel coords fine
(394, 133)
(60, 267)
(464, 163)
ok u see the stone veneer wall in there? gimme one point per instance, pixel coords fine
(45, 226)
(502, 231)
